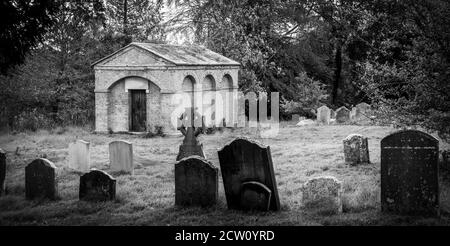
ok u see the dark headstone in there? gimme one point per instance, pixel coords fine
(196, 182)
(255, 196)
(409, 173)
(342, 115)
(97, 185)
(2, 172)
(244, 160)
(40, 180)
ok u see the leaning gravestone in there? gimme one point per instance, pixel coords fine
(40, 180)
(361, 113)
(79, 157)
(324, 115)
(242, 161)
(2, 172)
(342, 115)
(255, 196)
(98, 186)
(356, 149)
(409, 173)
(323, 194)
(196, 182)
(121, 156)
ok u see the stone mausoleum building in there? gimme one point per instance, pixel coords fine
(136, 86)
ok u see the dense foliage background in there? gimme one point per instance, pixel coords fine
(393, 55)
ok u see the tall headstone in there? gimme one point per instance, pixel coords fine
(40, 180)
(356, 149)
(97, 186)
(196, 182)
(342, 115)
(324, 115)
(121, 156)
(79, 156)
(2, 172)
(323, 194)
(244, 160)
(409, 173)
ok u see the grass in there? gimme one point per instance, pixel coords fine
(147, 197)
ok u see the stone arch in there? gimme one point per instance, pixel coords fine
(208, 106)
(119, 102)
(227, 81)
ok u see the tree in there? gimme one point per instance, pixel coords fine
(23, 25)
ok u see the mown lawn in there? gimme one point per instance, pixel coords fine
(147, 197)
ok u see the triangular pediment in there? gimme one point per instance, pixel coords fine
(133, 56)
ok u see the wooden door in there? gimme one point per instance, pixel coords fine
(138, 115)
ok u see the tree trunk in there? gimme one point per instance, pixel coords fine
(337, 73)
(125, 17)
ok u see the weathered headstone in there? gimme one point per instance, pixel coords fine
(324, 115)
(342, 115)
(409, 173)
(196, 182)
(245, 160)
(40, 180)
(79, 157)
(323, 194)
(255, 196)
(356, 149)
(121, 156)
(361, 113)
(2, 172)
(295, 118)
(97, 185)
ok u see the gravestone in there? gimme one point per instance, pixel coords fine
(255, 196)
(40, 180)
(98, 186)
(323, 194)
(409, 173)
(79, 157)
(2, 172)
(244, 160)
(356, 149)
(324, 115)
(196, 182)
(361, 113)
(342, 115)
(121, 156)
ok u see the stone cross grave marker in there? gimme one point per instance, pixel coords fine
(97, 186)
(342, 115)
(409, 173)
(356, 149)
(324, 115)
(2, 172)
(79, 156)
(196, 182)
(244, 160)
(323, 194)
(121, 156)
(40, 180)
